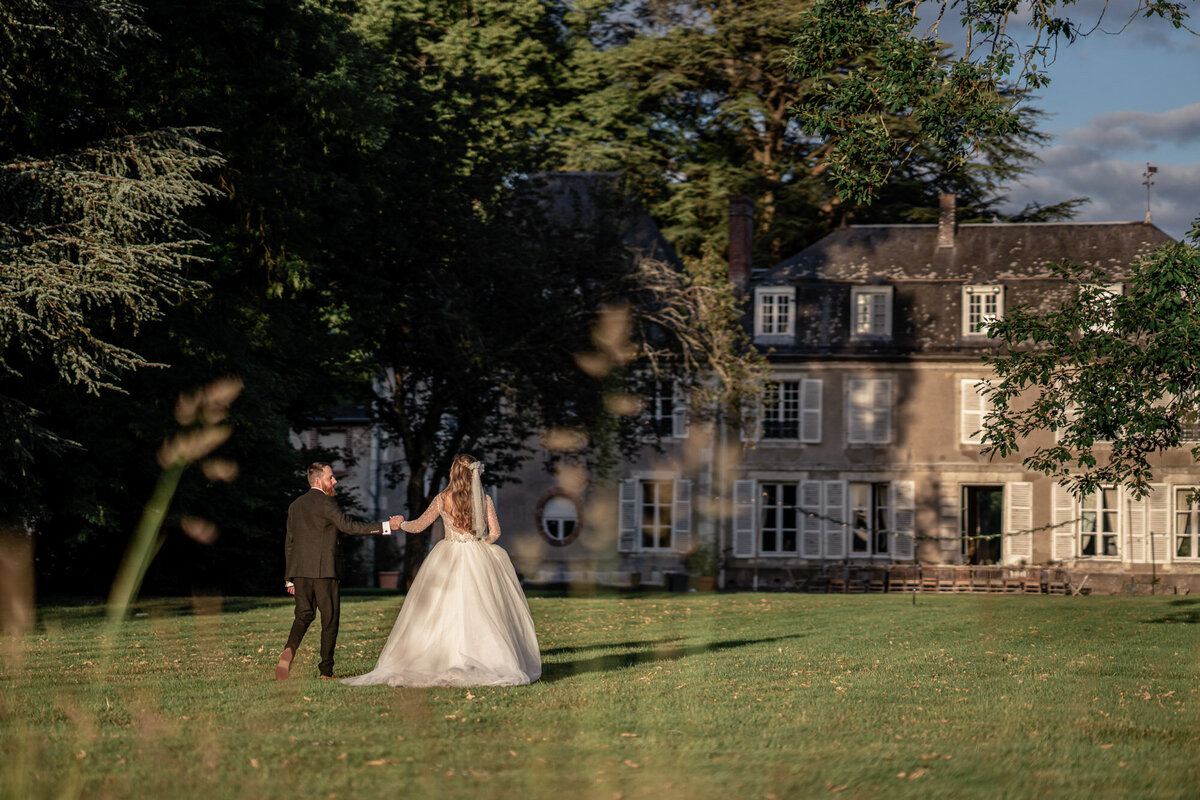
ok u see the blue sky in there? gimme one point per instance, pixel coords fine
(1115, 102)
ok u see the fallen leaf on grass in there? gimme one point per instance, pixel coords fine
(254, 763)
(916, 773)
(630, 764)
(379, 762)
(829, 785)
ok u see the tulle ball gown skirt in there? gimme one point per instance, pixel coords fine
(464, 622)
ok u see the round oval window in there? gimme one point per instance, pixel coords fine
(559, 519)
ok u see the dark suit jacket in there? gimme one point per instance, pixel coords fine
(312, 549)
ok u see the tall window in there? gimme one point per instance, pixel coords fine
(871, 312)
(982, 305)
(781, 411)
(1098, 523)
(660, 408)
(869, 514)
(778, 533)
(774, 313)
(869, 410)
(792, 410)
(1187, 523)
(657, 497)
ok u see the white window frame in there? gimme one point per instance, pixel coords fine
(873, 515)
(769, 324)
(974, 328)
(1090, 505)
(661, 506)
(863, 423)
(973, 409)
(805, 409)
(674, 514)
(666, 413)
(781, 509)
(1192, 513)
(873, 332)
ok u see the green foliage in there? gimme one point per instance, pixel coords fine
(93, 241)
(1114, 376)
(693, 326)
(875, 116)
(696, 696)
(696, 101)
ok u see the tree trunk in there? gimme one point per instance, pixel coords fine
(16, 578)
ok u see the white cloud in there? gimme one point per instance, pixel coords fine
(1139, 130)
(1115, 188)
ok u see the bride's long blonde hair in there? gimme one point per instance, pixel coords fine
(459, 490)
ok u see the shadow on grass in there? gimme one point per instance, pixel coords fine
(1190, 616)
(1178, 617)
(664, 651)
(632, 645)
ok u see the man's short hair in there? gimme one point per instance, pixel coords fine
(315, 471)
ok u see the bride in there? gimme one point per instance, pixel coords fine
(465, 621)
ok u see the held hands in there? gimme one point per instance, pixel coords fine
(394, 522)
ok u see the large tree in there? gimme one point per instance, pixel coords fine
(94, 242)
(696, 98)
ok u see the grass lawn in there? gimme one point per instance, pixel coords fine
(658, 696)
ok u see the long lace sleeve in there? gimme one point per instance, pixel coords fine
(425, 520)
(493, 522)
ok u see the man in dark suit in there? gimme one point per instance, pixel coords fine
(314, 563)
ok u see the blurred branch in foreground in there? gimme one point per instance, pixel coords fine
(202, 416)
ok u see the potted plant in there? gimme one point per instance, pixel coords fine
(703, 565)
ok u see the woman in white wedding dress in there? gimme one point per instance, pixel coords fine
(465, 621)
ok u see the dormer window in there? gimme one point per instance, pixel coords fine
(981, 306)
(775, 313)
(871, 312)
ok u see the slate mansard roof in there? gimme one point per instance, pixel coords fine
(927, 279)
(997, 251)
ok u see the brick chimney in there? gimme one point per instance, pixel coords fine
(741, 240)
(946, 220)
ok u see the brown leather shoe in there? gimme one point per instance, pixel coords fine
(284, 667)
(329, 677)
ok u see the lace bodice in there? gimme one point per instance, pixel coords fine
(453, 534)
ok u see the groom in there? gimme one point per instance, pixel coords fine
(314, 563)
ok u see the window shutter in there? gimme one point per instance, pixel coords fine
(1137, 530)
(972, 413)
(857, 400)
(627, 536)
(744, 518)
(810, 519)
(881, 322)
(751, 430)
(1018, 521)
(810, 410)
(679, 413)
(1159, 529)
(881, 426)
(1065, 523)
(681, 517)
(904, 528)
(834, 512)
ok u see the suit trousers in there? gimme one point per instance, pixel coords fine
(320, 594)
